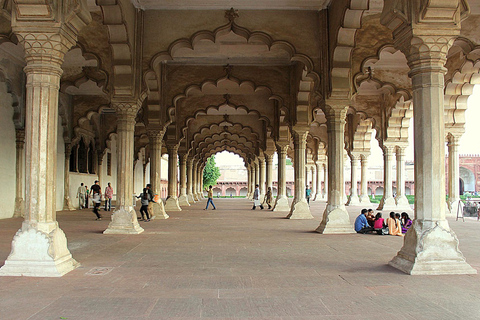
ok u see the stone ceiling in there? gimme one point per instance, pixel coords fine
(237, 4)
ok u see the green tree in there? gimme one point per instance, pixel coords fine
(210, 173)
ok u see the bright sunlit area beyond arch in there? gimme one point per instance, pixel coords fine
(469, 143)
(226, 158)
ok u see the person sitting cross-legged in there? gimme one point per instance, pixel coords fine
(361, 223)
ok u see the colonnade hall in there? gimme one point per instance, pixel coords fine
(102, 90)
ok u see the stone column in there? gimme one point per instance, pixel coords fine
(249, 179)
(300, 208)
(281, 203)
(172, 201)
(19, 181)
(183, 199)
(269, 172)
(195, 180)
(39, 248)
(401, 199)
(67, 203)
(202, 196)
(100, 172)
(190, 181)
(124, 218)
(353, 198)
(364, 198)
(430, 247)
(155, 138)
(325, 182)
(453, 175)
(262, 176)
(318, 181)
(335, 217)
(388, 201)
(257, 174)
(314, 183)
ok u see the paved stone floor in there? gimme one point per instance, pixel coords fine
(235, 263)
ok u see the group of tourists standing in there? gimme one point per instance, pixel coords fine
(95, 194)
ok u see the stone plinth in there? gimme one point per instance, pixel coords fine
(124, 222)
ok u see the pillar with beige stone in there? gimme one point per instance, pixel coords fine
(314, 183)
(183, 199)
(281, 203)
(318, 181)
(262, 176)
(355, 163)
(364, 198)
(401, 199)
(269, 173)
(155, 138)
(172, 201)
(335, 217)
(67, 202)
(453, 175)
(300, 208)
(190, 180)
(388, 201)
(430, 247)
(195, 180)
(325, 182)
(19, 181)
(124, 218)
(39, 248)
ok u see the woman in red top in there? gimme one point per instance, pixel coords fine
(379, 223)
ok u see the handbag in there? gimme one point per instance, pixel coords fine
(256, 202)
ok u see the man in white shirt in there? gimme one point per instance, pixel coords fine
(256, 200)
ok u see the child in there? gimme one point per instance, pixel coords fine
(145, 200)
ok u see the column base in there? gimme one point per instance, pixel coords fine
(387, 204)
(335, 220)
(183, 201)
(402, 204)
(157, 210)
(365, 200)
(353, 200)
(452, 207)
(431, 248)
(39, 254)
(195, 197)
(317, 197)
(190, 198)
(281, 204)
(172, 204)
(124, 221)
(67, 204)
(300, 210)
(19, 208)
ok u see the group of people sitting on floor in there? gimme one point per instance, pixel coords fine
(396, 225)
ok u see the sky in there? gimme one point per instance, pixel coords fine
(469, 143)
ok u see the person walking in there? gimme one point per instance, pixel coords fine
(268, 198)
(96, 193)
(145, 199)
(210, 198)
(108, 197)
(308, 192)
(256, 195)
(81, 192)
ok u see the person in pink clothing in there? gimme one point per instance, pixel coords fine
(108, 197)
(379, 224)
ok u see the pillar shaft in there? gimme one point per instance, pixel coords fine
(155, 138)
(325, 182)
(172, 201)
(401, 199)
(262, 176)
(190, 180)
(269, 172)
(183, 199)
(67, 203)
(19, 181)
(318, 181)
(335, 217)
(314, 183)
(281, 203)
(387, 202)
(195, 180)
(300, 208)
(355, 163)
(364, 198)
(453, 175)
(124, 219)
